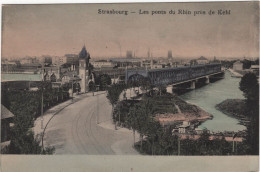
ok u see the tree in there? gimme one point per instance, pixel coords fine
(113, 95)
(132, 120)
(250, 87)
(105, 81)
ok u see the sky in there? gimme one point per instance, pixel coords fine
(35, 30)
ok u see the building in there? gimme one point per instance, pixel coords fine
(202, 60)
(102, 63)
(85, 73)
(72, 58)
(59, 60)
(6, 123)
(46, 59)
(237, 66)
(112, 72)
(29, 60)
(183, 128)
(7, 66)
(149, 64)
(124, 62)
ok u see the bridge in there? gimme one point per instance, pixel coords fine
(174, 76)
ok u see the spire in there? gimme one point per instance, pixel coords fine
(83, 53)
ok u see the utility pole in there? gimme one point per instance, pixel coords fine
(97, 108)
(72, 88)
(42, 98)
(42, 111)
(179, 146)
(42, 105)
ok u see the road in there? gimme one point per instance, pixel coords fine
(74, 130)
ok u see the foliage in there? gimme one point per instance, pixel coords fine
(103, 81)
(114, 92)
(27, 144)
(227, 107)
(122, 109)
(250, 87)
(26, 107)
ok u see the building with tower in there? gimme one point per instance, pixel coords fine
(85, 73)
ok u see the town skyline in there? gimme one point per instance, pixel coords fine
(36, 30)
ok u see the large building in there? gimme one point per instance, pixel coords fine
(237, 66)
(59, 60)
(72, 58)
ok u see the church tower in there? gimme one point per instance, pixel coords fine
(84, 69)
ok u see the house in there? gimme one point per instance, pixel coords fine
(6, 123)
(237, 66)
(183, 128)
(198, 130)
(67, 77)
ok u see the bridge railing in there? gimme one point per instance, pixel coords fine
(168, 76)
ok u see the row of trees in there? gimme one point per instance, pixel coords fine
(246, 63)
(26, 107)
(250, 87)
(113, 94)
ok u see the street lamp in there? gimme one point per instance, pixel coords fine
(97, 104)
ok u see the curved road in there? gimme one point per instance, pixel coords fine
(74, 130)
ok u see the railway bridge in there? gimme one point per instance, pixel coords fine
(174, 76)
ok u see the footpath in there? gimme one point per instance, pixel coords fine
(42, 121)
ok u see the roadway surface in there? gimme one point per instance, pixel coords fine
(74, 130)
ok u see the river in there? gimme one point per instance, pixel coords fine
(209, 95)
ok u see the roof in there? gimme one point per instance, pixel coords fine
(20, 77)
(5, 113)
(202, 58)
(72, 76)
(237, 62)
(126, 59)
(83, 53)
(184, 126)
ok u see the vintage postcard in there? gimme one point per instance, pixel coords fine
(172, 84)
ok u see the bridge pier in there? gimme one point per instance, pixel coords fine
(192, 85)
(169, 89)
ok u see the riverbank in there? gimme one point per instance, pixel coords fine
(185, 112)
(234, 108)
